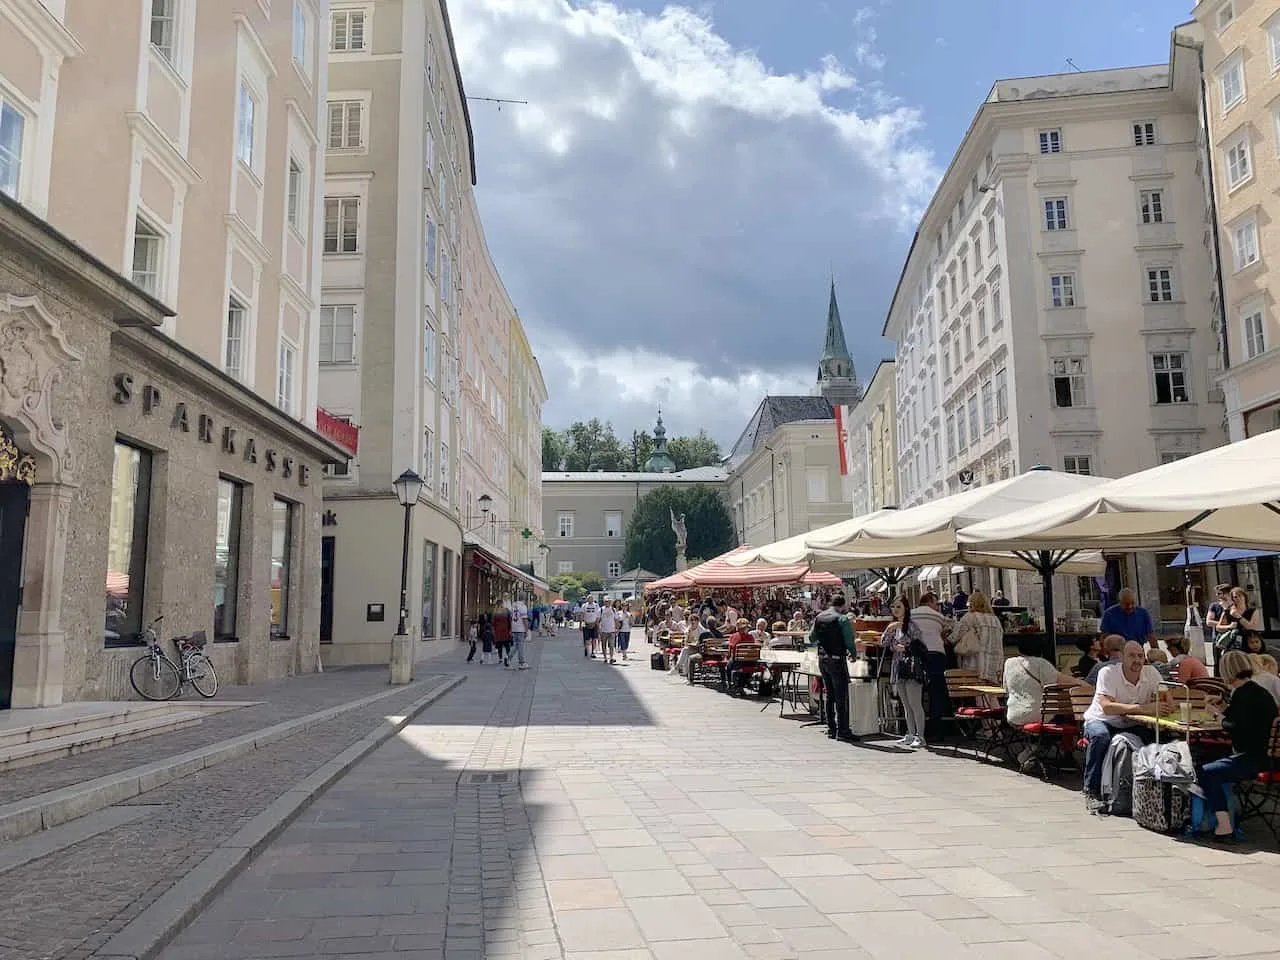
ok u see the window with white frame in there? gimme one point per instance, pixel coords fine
(962, 436)
(955, 353)
(164, 28)
(1077, 464)
(977, 254)
(1002, 395)
(301, 36)
(1062, 289)
(341, 224)
(1160, 285)
(338, 333)
(13, 124)
(1231, 82)
(347, 34)
(815, 480)
(997, 315)
(1051, 141)
(1244, 243)
(564, 524)
(444, 472)
(233, 342)
(988, 407)
(1169, 371)
(1169, 456)
(246, 111)
(1055, 213)
(982, 322)
(1273, 43)
(285, 376)
(946, 359)
(613, 523)
(432, 245)
(991, 235)
(147, 249)
(429, 351)
(294, 198)
(1239, 162)
(1255, 342)
(1151, 202)
(968, 336)
(429, 458)
(615, 569)
(446, 277)
(951, 435)
(1069, 381)
(1144, 133)
(564, 566)
(1224, 15)
(975, 426)
(346, 124)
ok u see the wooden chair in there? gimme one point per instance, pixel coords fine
(713, 654)
(1260, 797)
(1054, 736)
(980, 723)
(746, 666)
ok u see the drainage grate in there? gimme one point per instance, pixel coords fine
(487, 778)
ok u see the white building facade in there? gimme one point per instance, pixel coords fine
(872, 430)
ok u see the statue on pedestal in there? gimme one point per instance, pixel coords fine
(682, 540)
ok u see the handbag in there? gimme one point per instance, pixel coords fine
(967, 640)
(1231, 640)
(1193, 630)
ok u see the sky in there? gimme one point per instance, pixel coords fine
(669, 208)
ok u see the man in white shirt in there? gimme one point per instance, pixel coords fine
(608, 630)
(934, 626)
(520, 630)
(590, 614)
(1130, 688)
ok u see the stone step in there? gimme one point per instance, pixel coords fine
(25, 726)
(83, 738)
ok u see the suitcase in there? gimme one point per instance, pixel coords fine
(657, 661)
(1160, 806)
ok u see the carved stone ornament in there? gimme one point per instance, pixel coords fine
(34, 355)
(15, 466)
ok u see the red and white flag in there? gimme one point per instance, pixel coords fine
(843, 418)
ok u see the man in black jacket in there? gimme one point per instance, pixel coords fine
(834, 636)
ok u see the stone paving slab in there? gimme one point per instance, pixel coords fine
(280, 700)
(70, 903)
(635, 818)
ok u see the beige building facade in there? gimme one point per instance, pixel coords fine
(176, 326)
(528, 393)
(1241, 59)
(872, 430)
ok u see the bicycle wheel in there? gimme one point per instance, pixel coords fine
(155, 678)
(202, 675)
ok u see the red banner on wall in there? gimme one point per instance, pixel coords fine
(338, 429)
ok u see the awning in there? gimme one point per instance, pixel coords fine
(877, 586)
(959, 568)
(486, 560)
(1194, 556)
(928, 573)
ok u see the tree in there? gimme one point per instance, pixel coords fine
(641, 450)
(574, 586)
(690, 452)
(651, 543)
(553, 450)
(592, 446)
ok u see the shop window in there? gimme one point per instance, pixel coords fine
(226, 559)
(127, 544)
(446, 593)
(282, 514)
(429, 551)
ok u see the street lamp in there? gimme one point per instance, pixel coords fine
(408, 486)
(485, 502)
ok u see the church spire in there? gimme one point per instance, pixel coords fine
(660, 460)
(835, 347)
(837, 380)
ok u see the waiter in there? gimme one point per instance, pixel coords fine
(833, 634)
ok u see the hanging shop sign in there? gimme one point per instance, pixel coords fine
(338, 429)
(184, 420)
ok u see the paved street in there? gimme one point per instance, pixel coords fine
(588, 812)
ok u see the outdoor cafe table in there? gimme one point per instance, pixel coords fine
(1199, 726)
(786, 665)
(982, 690)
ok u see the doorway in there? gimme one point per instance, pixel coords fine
(14, 498)
(327, 546)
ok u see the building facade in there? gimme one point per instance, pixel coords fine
(872, 429)
(528, 392)
(185, 397)
(586, 514)
(399, 148)
(1240, 48)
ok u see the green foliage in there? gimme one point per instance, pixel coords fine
(574, 586)
(651, 543)
(592, 446)
(553, 450)
(690, 452)
(640, 451)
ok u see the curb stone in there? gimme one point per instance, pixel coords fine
(21, 818)
(147, 934)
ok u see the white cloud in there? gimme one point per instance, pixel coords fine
(865, 50)
(669, 201)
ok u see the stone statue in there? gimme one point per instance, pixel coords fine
(682, 540)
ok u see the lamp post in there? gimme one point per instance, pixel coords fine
(408, 486)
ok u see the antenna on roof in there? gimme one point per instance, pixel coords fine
(498, 100)
(1072, 64)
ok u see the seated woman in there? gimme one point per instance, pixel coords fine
(1182, 666)
(1264, 673)
(1247, 718)
(761, 632)
(1024, 679)
(778, 642)
(797, 623)
(728, 673)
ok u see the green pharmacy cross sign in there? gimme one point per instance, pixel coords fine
(526, 533)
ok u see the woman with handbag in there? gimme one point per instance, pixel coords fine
(979, 643)
(902, 638)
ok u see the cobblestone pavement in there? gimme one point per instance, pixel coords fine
(588, 812)
(68, 904)
(281, 700)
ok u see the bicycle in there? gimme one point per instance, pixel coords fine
(156, 677)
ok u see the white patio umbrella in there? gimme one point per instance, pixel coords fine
(795, 549)
(1225, 497)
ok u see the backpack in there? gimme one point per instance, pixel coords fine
(1117, 775)
(830, 635)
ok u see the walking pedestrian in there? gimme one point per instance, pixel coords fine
(502, 632)
(624, 631)
(909, 671)
(608, 630)
(833, 635)
(590, 614)
(520, 631)
(486, 639)
(473, 635)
